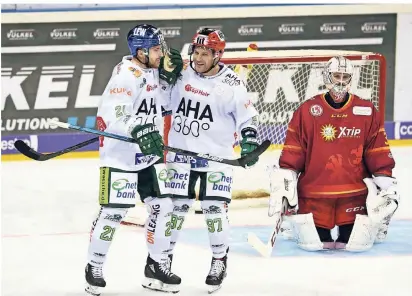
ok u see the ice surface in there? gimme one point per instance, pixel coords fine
(47, 210)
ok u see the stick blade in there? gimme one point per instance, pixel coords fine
(264, 249)
(27, 151)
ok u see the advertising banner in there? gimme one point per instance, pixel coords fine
(59, 70)
(403, 130)
(390, 130)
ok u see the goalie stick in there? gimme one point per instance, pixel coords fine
(242, 162)
(277, 210)
(266, 249)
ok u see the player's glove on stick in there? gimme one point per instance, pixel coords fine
(248, 144)
(171, 66)
(149, 139)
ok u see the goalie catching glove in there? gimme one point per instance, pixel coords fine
(382, 202)
(171, 66)
(248, 144)
(148, 139)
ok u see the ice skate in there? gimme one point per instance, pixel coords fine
(169, 261)
(94, 279)
(216, 274)
(158, 277)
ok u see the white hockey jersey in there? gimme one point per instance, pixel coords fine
(207, 112)
(131, 91)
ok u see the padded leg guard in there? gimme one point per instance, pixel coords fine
(363, 235)
(307, 237)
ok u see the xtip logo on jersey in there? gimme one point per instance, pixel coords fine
(329, 132)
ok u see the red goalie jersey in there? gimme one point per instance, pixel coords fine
(334, 149)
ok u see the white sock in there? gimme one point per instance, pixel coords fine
(158, 227)
(102, 233)
(217, 222)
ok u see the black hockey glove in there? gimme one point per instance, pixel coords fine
(248, 144)
(149, 139)
(176, 62)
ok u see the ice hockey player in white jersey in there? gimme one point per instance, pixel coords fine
(209, 105)
(129, 107)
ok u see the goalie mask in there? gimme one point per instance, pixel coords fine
(210, 39)
(337, 77)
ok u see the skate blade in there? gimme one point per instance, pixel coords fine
(92, 290)
(157, 285)
(213, 289)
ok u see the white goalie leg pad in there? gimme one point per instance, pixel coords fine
(382, 232)
(306, 235)
(286, 228)
(363, 234)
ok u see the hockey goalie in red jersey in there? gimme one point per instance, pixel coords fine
(336, 168)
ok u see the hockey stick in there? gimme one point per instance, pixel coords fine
(29, 152)
(278, 208)
(266, 249)
(241, 70)
(242, 162)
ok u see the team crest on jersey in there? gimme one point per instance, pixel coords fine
(316, 110)
(135, 72)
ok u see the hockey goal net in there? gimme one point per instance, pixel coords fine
(279, 82)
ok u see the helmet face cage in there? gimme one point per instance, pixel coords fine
(337, 76)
